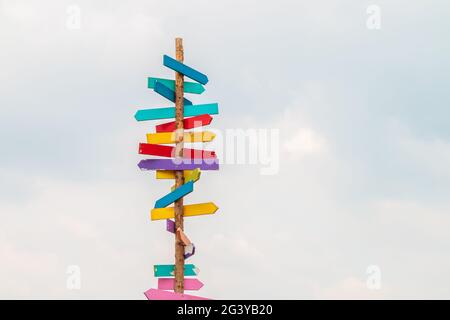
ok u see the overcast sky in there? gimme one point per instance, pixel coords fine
(363, 119)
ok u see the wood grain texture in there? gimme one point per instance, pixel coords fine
(179, 175)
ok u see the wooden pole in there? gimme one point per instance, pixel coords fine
(179, 177)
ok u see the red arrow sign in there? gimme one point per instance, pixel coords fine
(189, 284)
(168, 151)
(188, 123)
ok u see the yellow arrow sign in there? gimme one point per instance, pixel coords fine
(169, 137)
(188, 211)
(190, 176)
(170, 174)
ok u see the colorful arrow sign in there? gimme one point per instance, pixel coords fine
(188, 211)
(176, 164)
(170, 226)
(169, 152)
(175, 195)
(169, 112)
(189, 87)
(170, 174)
(188, 123)
(194, 176)
(168, 270)
(189, 175)
(189, 250)
(168, 93)
(184, 69)
(155, 294)
(169, 137)
(189, 284)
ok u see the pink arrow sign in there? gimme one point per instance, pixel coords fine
(189, 284)
(156, 294)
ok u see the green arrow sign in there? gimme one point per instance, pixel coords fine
(168, 270)
(189, 87)
(167, 113)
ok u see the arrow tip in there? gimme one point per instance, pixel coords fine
(141, 165)
(213, 205)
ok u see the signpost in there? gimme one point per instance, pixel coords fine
(189, 87)
(169, 112)
(183, 166)
(167, 270)
(189, 72)
(188, 123)
(190, 210)
(156, 294)
(175, 195)
(189, 284)
(169, 137)
(170, 174)
(168, 93)
(168, 151)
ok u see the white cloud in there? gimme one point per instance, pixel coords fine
(304, 142)
(349, 288)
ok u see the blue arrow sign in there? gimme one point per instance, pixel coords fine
(167, 93)
(189, 87)
(168, 270)
(167, 113)
(184, 69)
(175, 195)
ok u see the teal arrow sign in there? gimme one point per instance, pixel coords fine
(167, 113)
(168, 93)
(168, 270)
(189, 87)
(184, 69)
(175, 195)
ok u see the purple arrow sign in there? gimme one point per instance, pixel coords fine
(189, 284)
(179, 164)
(189, 250)
(170, 225)
(155, 294)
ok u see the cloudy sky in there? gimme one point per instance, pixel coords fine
(361, 196)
